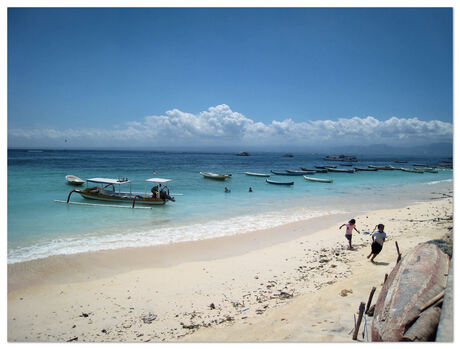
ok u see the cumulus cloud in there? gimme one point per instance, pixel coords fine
(220, 125)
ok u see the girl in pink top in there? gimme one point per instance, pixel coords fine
(348, 234)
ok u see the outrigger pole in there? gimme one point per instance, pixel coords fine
(102, 205)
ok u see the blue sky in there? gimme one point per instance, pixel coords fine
(117, 76)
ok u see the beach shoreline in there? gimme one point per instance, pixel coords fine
(194, 289)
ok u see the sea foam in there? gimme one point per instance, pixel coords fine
(164, 235)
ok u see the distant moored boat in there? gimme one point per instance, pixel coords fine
(323, 180)
(218, 176)
(74, 180)
(257, 174)
(278, 183)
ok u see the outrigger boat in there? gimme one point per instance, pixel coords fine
(429, 169)
(301, 172)
(105, 190)
(387, 167)
(413, 170)
(325, 167)
(312, 170)
(256, 174)
(365, 169)
(323, 180)
(74, 180)
(279, 183)
(286, 173)
(218, 176)
(341, 170)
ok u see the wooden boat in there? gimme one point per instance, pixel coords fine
(217, 176)
(420, 276)
(286, 173)
(318, 170)
(278, 183)
(105, 190)
(301, 172)
(325, 167)
(387, 167)
(340, 158)
(323, 180)
(365, 169)
(429, 169)
(243, 153)
(74, 180)
(413, 170)
(400, 162)
(257, 174)
(420, 165)
(341, 170)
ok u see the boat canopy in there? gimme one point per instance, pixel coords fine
(108, 180)
(158, 180)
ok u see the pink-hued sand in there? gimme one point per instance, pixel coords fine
(259, 286)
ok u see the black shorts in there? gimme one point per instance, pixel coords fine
(376, 247)
(348, 236)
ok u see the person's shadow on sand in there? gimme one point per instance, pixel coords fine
(381, 263)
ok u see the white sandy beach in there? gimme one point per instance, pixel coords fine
(277, 285)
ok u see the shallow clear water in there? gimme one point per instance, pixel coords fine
(39, 227)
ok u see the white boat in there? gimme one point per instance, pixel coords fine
(74, 180)
(429, 169)
(215, 175)
(257, 174)
(105, 190)
(413, 170)
(323, 180)
(341, 170)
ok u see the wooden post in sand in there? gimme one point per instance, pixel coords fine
(386, 277)
(360, 317)
(399, 254)
(370, 299)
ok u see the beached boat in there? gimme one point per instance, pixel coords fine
(301, 172)
(105, 190)
(278, 183)
(340, 158)
(257, 174)
(74, 180)
(414, 282)
(286, 173)
(322, 180)
(387, 167)
(365, 169)
(217, 176)
(325, 167)
(345, 170)
(413, 170)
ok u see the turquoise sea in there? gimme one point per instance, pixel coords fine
(39, 227)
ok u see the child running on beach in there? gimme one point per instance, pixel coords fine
(378, 239)
(348, 234)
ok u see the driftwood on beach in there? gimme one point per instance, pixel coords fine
(405, 306)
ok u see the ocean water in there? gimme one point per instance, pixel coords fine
(39, 227)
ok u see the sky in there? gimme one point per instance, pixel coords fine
(150, 77)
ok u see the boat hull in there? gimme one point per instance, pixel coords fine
(279, 183)
(286, 173)
(256, 174)
(417, 278)
(217, 176)
(340, 170)
(321, 180)
(104, 196)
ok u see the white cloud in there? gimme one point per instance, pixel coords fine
(220, 125)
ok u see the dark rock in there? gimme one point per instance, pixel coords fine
(149, 318)
(212, 306)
